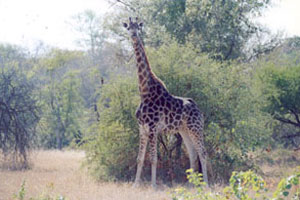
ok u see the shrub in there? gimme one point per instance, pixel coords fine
(243, 186)
(112, 150)
(44, 196)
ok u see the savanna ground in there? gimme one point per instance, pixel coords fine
(61, 173)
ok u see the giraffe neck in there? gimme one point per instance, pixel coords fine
(146, 78)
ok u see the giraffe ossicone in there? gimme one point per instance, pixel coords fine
(162, 113)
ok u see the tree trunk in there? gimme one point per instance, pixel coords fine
(58, 140)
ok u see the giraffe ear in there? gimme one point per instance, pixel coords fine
(125, 25)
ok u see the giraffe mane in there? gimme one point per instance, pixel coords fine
(150, 70)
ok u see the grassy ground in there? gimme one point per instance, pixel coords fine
(60, 173)
(277, 164)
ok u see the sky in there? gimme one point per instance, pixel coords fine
(26, 22)
(284, 15)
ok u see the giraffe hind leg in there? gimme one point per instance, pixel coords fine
(198, 143)
(192, 153)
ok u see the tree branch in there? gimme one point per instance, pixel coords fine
(178, 142)
(287, 121)
(126, 4)
(230, 50)
(163, 143)
(291, 136)
(296, 115)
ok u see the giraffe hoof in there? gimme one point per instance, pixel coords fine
(154, 186)
(136, 185)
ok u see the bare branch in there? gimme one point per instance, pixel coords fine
(126, 5)
(291, 136)
(288, 121)
(160, 139)
(296, 115)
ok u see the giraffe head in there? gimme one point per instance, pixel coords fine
(133, 27)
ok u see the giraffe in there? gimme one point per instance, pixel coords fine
(162, 113)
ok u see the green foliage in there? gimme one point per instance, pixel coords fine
(61, 101)
(44, 196)
(112, 150)
(288, 188)
(289, 51)
(279, 86)
(21, 194)
(243, 186)
(92, 36)
(243, 182)
(197, 180)
(221, 29)
(282, 86)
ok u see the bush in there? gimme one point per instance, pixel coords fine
(112, 150)
(243, 186)
(44, 196)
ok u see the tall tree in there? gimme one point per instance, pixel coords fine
(19, 112)
(281, 87)
(88, 25)
(219, 28)
(61, 101)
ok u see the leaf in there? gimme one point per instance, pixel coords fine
(288, 186)
(295, 181)
(285, 193)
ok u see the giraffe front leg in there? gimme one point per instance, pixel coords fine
(153, 157)
(141, 156)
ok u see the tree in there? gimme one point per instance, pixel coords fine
(19, 114)
(222, 29)
(281, 87)
(98, 55)
(63, 113)
(88, 24)
(278, 81)
(112, 149)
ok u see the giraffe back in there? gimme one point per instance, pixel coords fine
(161, 111)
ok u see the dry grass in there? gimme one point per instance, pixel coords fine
(60, 173)
(278, 164)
